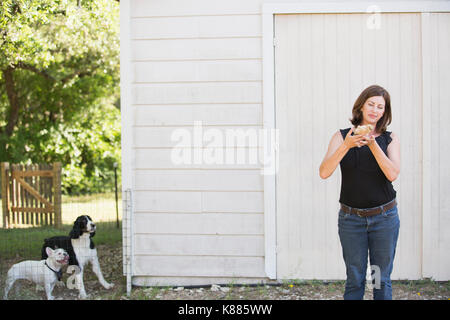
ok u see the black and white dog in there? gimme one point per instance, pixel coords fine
(81, 250)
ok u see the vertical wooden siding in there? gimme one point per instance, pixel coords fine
(323, 62)
(436, 132)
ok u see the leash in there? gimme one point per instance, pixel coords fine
(58, 273)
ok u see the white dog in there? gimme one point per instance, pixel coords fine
(81, 251)
(44, 272)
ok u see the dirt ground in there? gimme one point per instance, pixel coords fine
(111, 264)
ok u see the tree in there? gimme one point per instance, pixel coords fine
(59, 66)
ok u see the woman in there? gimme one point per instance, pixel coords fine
(368, 217)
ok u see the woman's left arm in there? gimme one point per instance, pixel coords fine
(390, 164)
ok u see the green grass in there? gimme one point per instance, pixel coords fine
(26, 243)
(100, 207)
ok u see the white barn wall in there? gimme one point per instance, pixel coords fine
(316, 86)
(188, 61)
(195, 224)
(436, 159)
(179, 115)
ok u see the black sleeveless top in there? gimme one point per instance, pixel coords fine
(364, 184)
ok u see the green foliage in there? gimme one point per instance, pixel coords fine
(65, 62)
(44, 32)
(88, 148)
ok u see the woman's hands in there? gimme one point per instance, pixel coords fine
(370, 139)
(357, 140)
(338, 147)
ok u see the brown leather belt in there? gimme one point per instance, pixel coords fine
(369, 212)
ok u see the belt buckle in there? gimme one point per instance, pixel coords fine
(360, 214)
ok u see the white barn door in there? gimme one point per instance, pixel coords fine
(322, 63)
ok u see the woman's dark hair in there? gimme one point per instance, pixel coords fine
(373, 91)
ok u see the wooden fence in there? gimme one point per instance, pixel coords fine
(31, 194)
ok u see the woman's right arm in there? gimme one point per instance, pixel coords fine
(337, 149)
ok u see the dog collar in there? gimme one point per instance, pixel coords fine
(58, 273)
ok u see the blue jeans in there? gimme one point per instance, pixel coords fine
(375, 237)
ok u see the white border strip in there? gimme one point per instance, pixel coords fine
(127, 240)
(126, 107)
(357, 7)
(268, 12)
(270, 217)
(427, 150)
(127, 117)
